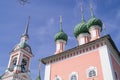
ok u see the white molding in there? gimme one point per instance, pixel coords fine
(58, 41)
(47, 72)
(106, 63)
(83, 34)
(91, 68)
(94, 27)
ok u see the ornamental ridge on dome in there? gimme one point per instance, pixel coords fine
(61, 35)
(81, 27)
(93, 20)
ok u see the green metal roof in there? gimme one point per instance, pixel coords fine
(23, 45)
(61, 36)
(80, 28)
(94, 21)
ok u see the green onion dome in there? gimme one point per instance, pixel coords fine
(80, 28)
(61, 36)
(94, 21)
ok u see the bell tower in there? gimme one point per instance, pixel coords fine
(20, 57)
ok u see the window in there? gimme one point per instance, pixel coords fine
(14, 62)
(57, 78)
(116, 77)
(23, 65)
(91, 72)
(73, 76)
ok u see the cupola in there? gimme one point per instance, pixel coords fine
(94, 26)
(60, 39)
(81, 31)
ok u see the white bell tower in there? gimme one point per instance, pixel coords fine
(19, 62)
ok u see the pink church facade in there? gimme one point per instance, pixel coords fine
(99, 55)
(95, 57)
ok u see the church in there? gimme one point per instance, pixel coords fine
(95, 58)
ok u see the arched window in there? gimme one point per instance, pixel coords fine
(57, 78)
(73, 76)
(23, 65)
(91, 72)
(14, 62)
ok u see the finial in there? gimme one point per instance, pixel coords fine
(91, 9)
(60, 23)
(82, 13)
(26, 30)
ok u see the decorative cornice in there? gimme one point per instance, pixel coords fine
(93, 45)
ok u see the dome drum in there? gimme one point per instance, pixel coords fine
(58, 41)
(95, 32)
(83, 38)
(94, 27)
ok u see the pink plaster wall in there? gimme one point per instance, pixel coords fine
(78, 64)
(116, 66)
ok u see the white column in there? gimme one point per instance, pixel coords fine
(95, 32)
(9, 62)
(106, 63)
(47, 72)
(83, 38)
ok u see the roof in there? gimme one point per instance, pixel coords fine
(104, 38)
(80, 28)
(61, 35)
(94, 21)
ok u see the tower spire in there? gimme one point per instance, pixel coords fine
(82, 13)
(91, 9)
(25, 35)
(61, 23)
(27, 26)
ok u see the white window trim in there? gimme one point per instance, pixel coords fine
(73, 73)
(91, 68)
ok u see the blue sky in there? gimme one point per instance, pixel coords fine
(44, 24)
